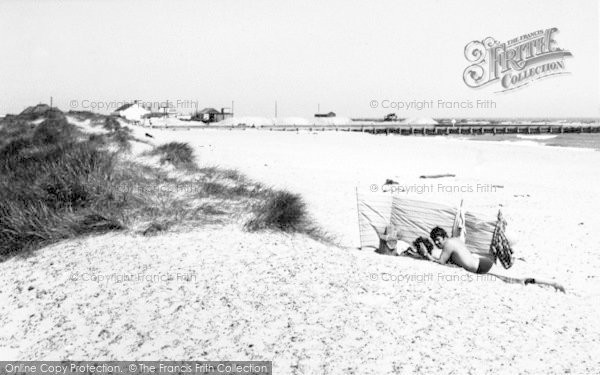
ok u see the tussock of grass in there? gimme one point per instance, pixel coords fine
(285, 211)
(122, 137)
(280, 210)
(111, 124)
(214, 188)
(177, 153)
(156, 227)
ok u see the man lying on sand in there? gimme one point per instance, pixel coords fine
(455, 250)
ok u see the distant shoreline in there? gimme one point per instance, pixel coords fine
(582, 141)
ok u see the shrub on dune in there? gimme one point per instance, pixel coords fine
(177, 153)
(281, 210)
(111, 124)
(122, 136)
(54, 130)
(285, 211)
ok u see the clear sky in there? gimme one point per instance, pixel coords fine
(340, 54)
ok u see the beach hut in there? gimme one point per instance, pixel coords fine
(328, 114)
(209, 115)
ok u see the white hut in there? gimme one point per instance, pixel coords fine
(131, 111)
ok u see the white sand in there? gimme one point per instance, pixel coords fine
(86, 126)
(419, 121)
(317, 309)
(542, 137)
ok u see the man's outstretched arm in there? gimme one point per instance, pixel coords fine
(443, 259)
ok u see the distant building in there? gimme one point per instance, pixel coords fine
(390, 117)
(208, 115)
(330, 114)
(131, 111)
(154, 115)
(168, 110)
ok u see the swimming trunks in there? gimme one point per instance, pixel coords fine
(485, 264)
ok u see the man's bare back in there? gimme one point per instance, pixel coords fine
(455, 250)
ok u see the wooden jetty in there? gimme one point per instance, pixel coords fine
(463, 129)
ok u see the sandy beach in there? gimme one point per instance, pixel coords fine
(227, 181)
(314, 308)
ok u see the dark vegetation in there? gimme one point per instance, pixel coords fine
(53, 184)
(57, 182)
(177, 153)
(281, 210)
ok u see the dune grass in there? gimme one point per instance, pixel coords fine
(53, 186)
(179, 154)
(57, 183)
(284, 211)
(281, 210)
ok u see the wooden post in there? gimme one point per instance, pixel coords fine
(358, 215)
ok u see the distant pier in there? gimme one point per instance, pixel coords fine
(463, 129)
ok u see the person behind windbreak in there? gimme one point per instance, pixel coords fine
(455, 250)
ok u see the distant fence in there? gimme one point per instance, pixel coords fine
(464, 129)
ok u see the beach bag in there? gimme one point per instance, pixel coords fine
(500, 245)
